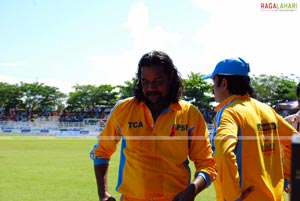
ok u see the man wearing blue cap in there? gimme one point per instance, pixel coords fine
(247, 138)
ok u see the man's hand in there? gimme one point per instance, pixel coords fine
(111, 199)
(287, 189)
(287, 186)
(108, 197)
(187, 195)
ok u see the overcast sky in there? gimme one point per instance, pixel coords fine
(62, 43)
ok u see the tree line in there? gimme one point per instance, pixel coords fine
(37, 96)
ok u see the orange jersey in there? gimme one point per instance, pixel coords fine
(155, 155)
(251, 142)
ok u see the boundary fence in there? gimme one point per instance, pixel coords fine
(88, 127)
(53, 127)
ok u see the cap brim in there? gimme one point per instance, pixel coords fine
(207, 76)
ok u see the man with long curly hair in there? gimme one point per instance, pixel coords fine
(160, 134)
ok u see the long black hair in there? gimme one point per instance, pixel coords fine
(159, 58)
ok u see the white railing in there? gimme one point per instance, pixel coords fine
(52, 126)
(92, 125)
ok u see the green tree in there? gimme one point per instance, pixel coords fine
(196, 91)
(274, 89)
(90, 96)
(106, 96)
(37, 96)
(127, 90)
(81, 98)
(11, 96)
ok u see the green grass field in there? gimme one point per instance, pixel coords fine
(41, 168)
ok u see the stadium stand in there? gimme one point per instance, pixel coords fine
(54, 127)
(42, 126)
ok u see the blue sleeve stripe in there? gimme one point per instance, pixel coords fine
(122, 163)
(100, 161)
(205, 177)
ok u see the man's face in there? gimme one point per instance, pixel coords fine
(220, 89)
(155, 84)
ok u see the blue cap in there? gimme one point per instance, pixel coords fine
(233, 66)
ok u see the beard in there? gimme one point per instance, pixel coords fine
(154, 97)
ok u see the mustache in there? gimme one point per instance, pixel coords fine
(153, 93)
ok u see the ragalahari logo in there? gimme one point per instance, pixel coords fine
(283, 6)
